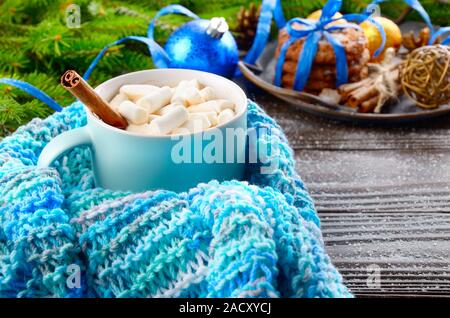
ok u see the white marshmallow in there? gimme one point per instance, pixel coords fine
(179, 95)
(117, 100)
(225, 116)
(133, 113)
(181, 87)
(195, 83)
(136, 91)
(192, 96)
(199, 117)
(178, 99)
(166, 109)
(212, 117)
(152, 116)
(156, 100)
(170, 121)
(211, 106)
(207, 94)
(196, 122)
(191, 126)
(225, 104)
(140, 129)
(183, 84)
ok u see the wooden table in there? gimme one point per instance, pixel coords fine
(383, 195)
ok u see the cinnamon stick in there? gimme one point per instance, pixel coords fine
(347, 88)
(79, 88)
(369, 105)
(361, 95)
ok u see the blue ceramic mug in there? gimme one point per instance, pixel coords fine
(126, 161)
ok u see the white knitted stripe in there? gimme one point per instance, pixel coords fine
(257, 292)
(196, 273)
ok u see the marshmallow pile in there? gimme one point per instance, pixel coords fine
(185, 109)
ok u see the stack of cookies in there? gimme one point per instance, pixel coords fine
(323, 73)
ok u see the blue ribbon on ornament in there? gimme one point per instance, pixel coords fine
(270, 9)
(155, 50)
(313, 31)
(160, 58)
(33, 91)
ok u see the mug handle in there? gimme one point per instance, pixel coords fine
(63, 143)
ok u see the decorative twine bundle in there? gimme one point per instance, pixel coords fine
(372, 93)
(425, 76)
(386, 77)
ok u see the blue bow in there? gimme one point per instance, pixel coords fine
(313, 31)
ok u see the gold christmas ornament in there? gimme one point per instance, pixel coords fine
(425, 76)
(393, 36)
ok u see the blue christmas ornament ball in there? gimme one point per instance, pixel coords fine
(191, 47)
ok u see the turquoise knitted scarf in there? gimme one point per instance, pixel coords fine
(259, 238)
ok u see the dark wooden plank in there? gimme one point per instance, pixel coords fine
(348, 137)
(376, 241)
(381, 181)
(411, 198)
(383, 195)
(410, 250)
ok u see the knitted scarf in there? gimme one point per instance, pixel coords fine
(60, 236)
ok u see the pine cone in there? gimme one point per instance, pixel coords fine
(411, 42)
(247, 22)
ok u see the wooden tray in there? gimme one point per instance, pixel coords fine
(263, 74)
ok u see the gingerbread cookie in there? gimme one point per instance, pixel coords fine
(323, 73)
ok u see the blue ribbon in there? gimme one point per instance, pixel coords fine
(313, 31)
(160, 58)
(33, 91)
(438, 33)
(415, 4)
(159, 52)
(270, 9)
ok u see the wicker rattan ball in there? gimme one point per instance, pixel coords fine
(425, 76)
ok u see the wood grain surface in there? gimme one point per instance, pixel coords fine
(383, 195)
